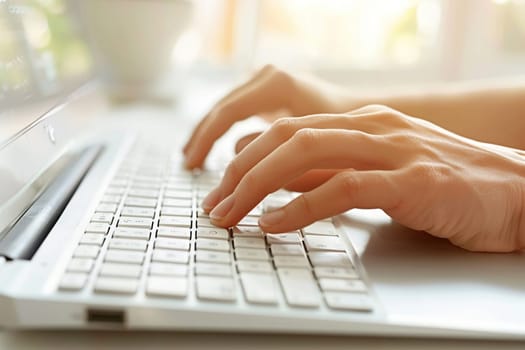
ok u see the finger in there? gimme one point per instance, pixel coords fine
(245, 140)
(308, 149)
(346, 190)
(262, 97)
(232, 95)
(280, 132)
(310, 180)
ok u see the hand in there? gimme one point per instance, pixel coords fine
(421, 175)
(271, 94)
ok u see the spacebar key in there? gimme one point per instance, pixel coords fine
(299, 287)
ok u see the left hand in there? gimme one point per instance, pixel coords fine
(423, 176)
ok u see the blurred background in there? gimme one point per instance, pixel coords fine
(364, 41)
(371, 42)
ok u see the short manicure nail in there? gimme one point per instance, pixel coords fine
(211, 199)
(272, 218)
(222, 209)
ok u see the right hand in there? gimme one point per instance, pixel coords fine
(271, 94)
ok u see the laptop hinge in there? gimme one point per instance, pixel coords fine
(32, 227)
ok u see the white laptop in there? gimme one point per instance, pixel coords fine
(101, 230)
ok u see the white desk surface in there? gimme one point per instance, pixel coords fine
(57, 340)
(79, 340)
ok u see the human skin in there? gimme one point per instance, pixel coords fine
(424, 176)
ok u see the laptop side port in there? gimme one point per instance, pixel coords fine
(106, 316)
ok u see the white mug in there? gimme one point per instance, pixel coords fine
(133, 40)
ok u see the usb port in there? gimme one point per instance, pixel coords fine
(115, 317)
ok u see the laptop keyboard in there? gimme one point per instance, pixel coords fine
(148, 236)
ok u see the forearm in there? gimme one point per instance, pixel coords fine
(493, 114)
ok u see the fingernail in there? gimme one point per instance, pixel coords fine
(272, 218)
(211, 200)
(222, 209)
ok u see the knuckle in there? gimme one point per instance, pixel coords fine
(386, 115)
(232, 171)
(283, 128)
(250, 184)
(307, 139)
(306, 207)
(431, 175)
(279, 77)
(376, 108)
(348, 183)
(268, 68)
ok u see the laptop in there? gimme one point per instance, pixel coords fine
(102, 229)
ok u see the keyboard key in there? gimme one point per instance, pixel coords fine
(143, 193)
(116, 285)
(274, 203)
(332, 243)
(320, 228)
(176, 202)
(247, 231)
(80, 265)
(146, 185)
(202, 214)
(213, 244)
(105, 218)
(251, 254)
(178, 186)
(175, 221)
(167, 286)
(259, 288)
(120, 270)
(248, 242)
(291, 261)
(204, 222)
(216, 288)
(335, 259)
(86, 251)
(128, 221)
(254, 266)
(141, 202)
(213, 269)
(335, 272)
(172, 243)
(210, 232)
(174, 232)
(349, 301)
(175, 211)
(287, 249)
(97, 227)
(170, 256)
(92, 238)
(283, 238)
(299, 286)
(165, 269)
(73, 281)
(111, 198)
(121, 256)
(212, 257)
(106, 208)
(138, 212)
(128, 244)
(342, 285)
(249, 220)
(257, 211)
(135, 233)
(178, 194)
